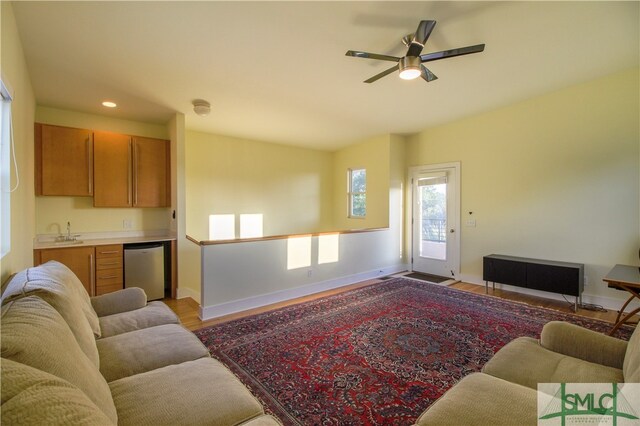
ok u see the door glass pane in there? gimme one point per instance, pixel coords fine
(433, 203)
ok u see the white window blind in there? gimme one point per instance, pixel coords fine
(7, 152)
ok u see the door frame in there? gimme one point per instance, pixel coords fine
(428, 168)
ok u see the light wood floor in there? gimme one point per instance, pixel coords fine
(187, 308)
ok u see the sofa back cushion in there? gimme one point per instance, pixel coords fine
(631, 365)
(58, 286)
(31, 396)
(35, 334)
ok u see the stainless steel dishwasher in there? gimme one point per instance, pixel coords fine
(144, 267)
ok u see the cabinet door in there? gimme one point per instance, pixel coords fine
(151, 172)
(504, 271)
(112, 159)
(556, 279)
(64, 163)
(81, 260)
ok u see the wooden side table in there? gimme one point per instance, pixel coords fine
(624, 277)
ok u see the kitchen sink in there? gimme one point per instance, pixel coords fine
(68, 243)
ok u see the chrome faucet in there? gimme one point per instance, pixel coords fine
(67, 238)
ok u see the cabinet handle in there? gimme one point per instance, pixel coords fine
(129, 171)
(93, 275)
(109, 252)
(135, 174)
(90, 164)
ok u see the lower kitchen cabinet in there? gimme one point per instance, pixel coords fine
(81, 260)
(109, 269)
(99, 268)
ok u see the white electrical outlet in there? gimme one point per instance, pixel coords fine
(471, 223)
(309, 272)
(127, 224)
(586, 281)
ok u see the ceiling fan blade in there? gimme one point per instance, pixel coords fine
(451, 53)
(426, 74)
(420, 38)
(382, 74)
(368, 55)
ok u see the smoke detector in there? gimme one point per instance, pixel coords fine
(201, 107)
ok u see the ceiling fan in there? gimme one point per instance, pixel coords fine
(412, 64)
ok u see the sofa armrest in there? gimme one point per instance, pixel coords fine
(119, 301)
(578, 342)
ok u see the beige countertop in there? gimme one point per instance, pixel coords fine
(101, 239)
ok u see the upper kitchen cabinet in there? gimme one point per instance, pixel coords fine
(64, 161)
(130, 171)
(113, 172)
(151, 177)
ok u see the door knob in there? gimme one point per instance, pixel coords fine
(452, 230)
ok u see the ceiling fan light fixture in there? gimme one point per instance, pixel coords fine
(411, 64)
(409, 67)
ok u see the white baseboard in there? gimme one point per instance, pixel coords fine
(604, 301)
(610, 302)
(215, 311)
(187, 292)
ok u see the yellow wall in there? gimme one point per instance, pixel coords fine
(397, 179)
(554, 177)
(61, 117)
(373, 155)
(298, 190)
(188, 252)
(52, 213)
(291, 187)
(14, 71)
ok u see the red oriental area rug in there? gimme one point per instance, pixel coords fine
(378, 355)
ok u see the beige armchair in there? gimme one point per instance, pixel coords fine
(505, 393)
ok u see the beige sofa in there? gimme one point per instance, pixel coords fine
(505, 393)
(112, 359)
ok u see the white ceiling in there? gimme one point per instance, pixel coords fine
(276, 71)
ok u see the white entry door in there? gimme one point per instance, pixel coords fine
(436, 219)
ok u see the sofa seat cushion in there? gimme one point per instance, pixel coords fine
(147, 349)
(480, 399)
(631, 365)
(34, 333)
(263, 420)
(31, 396)
(155, 313)
(525, 362)
(53, 282)
(201, 392)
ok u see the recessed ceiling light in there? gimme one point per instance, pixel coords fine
(109, 104)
